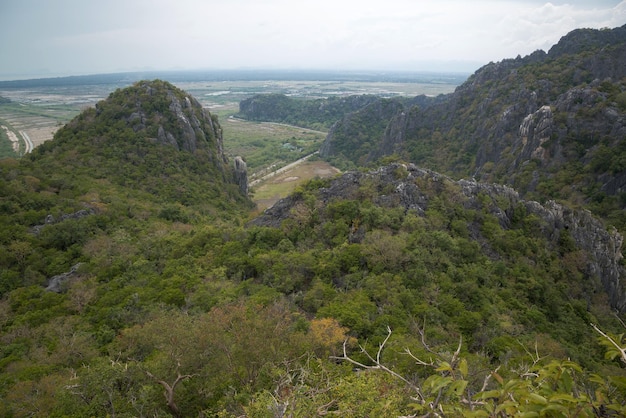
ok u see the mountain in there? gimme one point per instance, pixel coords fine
(137, 280)
(411, 190)
(150, 125)
(552, 125)
(314, 114)
(149, 149)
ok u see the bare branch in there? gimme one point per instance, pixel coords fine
(168, 391)
(323, 410)
(487, 378)
(380, 348)
(419, 361)
(378, 365)
(423, 340)
(457, 353)
(621, 350)
(536, 358)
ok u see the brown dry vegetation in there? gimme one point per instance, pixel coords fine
(275, 188)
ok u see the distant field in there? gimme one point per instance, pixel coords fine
(269, 192)
(39, 107)
(264, 144)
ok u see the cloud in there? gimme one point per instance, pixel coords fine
(77, 36)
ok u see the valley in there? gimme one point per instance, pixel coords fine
(456, 255)
(35, 113)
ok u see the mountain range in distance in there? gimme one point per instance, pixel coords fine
(451, 77)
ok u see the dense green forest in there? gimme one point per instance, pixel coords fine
(137, 280)
(310, 113)
(551, 125)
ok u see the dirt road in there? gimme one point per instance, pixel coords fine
(281, 170)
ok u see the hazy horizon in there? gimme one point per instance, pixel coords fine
(73, 37)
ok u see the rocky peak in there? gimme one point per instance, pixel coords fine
(414, 189)
(156, 112)
(580, 40)
(180, 120)
(520, 121)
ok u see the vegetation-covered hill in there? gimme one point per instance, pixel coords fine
(135, 283)
(551, 125)
(148, 150)
(314, 114)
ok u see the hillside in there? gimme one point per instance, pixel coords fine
(314, 114)
(147, 150)
(136, 280)
(550, 124)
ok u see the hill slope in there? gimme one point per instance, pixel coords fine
(147, 150)
(134, 284)
(551, 125)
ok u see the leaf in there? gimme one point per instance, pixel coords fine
(436, 382)
(509, 407)
(463, 367)
(498, 378)
(489, 394)
(596, 378)
(457, 387)
(475, 414)
(528, 414)
(619, 382)
(536, 398)
(444, 367)
(564, 397)
(555, 407)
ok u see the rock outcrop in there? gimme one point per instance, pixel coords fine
(602, 247)
(540, 112)
(56, 283)
(50, 219)
(180, 120)
(241, 175)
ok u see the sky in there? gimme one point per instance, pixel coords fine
(40, 38)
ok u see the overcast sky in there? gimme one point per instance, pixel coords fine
(68, 37)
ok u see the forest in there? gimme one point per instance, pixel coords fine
(136, 280)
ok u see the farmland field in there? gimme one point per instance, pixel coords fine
(270, 191)
(32, 110)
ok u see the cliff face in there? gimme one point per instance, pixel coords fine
(357, 135)
(419, 190)
(189, 127)
(167, 115)
(154, 137)
(369, 122)
(520, 121)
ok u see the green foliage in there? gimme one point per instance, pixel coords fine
(174, 294)
(315, 114)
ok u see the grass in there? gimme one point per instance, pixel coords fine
(6, 147)
(275, 188)
(262, 144)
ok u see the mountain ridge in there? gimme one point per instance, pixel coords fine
(136, 278)
(518, 122)
(410, 188)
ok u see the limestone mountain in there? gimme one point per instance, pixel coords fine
(315, 114)
(553, 125)
(151, 137)
(474, 211)
(356, 136)
(147, 151)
